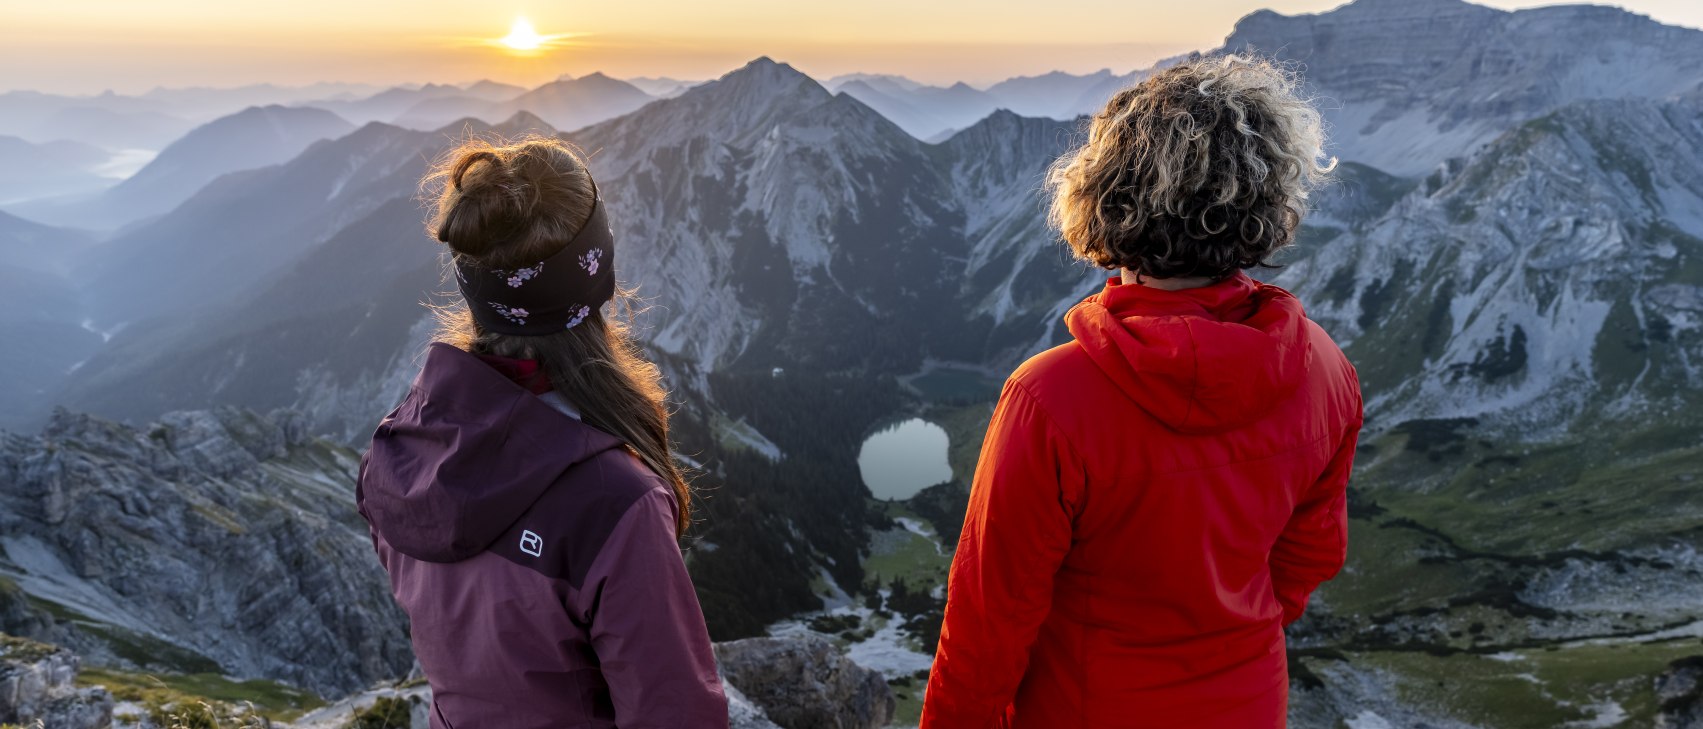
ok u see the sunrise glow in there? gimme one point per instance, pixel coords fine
(523, 37)
(131, 47)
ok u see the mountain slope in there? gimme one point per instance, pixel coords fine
(243, 226)
(1451, 76)
(41, 315)
(269, 346)
(1550, 280)
(252, 138)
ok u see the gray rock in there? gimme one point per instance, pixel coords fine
(806, 683)
(1452, 75)
(220, 541)
(1680, 689)
(741, 713)
(36, 686)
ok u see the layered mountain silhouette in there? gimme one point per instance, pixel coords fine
(568, 103)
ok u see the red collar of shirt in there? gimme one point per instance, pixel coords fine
(524, 372)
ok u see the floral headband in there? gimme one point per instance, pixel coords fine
(552, 295)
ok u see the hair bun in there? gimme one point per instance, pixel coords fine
(489, 208)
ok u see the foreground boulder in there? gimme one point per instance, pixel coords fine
(36, 686)
(1680, 689)
(806, 683)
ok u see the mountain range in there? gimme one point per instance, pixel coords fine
(252, 138)
(567, 103)
(1510, 253)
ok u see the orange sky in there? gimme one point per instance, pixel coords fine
(84, 46)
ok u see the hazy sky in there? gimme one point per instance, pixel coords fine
(85, 46)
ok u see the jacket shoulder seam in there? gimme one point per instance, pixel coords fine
(1052, 421)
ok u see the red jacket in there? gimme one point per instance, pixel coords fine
(1154, 502)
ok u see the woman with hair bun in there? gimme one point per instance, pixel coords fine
(1157, 498)
(523, 497)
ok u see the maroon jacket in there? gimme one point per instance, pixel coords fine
(537, 560)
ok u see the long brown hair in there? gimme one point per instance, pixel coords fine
(507, 204)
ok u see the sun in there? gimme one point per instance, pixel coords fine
(523, 37)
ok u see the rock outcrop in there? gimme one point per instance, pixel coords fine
(806, 683)
(219, 541)
(36, 686)
(741, 713)
(1680, 689)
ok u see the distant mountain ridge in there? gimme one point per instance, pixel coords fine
(255, 137)
(1455, 75)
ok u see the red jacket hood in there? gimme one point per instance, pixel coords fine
(1199, 360)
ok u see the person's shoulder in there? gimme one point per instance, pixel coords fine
(615, 478)
(1062, 371)
(1335, 372)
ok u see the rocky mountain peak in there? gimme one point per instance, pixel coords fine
(763, 78)
(1452, 75)
(524, 121)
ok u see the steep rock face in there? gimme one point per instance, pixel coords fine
(1549, 280)
(806, 683)
(209, 541)
(1407, 84)
(36, 686)
(771, 219)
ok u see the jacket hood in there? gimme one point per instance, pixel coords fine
(1199, 360)
(464, 456)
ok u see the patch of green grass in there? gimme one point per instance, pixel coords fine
(1538, 688)
(1528, 500)
(1447, 527)
(906, 555)
(146, 650)
(273, 700)
(966, 426)
(23, 649)
(387, 712)
(1384, 573)
(142, 650)
(907, 698)
(727, 432)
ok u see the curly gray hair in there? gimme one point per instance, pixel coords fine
(1203, 169)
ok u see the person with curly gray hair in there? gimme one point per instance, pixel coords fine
(1157, 498)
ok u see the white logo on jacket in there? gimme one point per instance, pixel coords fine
(531, 543)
